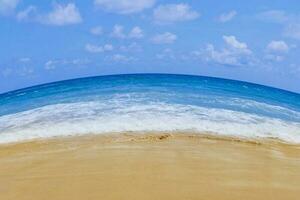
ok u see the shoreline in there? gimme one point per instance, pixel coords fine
(149, 166)
(147, 135)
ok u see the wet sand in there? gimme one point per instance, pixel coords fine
(151, 166)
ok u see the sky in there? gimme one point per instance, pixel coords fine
(44, 41)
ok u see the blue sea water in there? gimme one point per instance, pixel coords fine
(147, 103)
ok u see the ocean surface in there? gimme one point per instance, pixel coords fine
(149, 103)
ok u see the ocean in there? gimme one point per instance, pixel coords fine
(150, 103)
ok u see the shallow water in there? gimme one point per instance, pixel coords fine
(148, 102)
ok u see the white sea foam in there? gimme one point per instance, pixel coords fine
(119, 116)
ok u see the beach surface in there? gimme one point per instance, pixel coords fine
(149, 166)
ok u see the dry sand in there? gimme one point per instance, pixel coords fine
(162, 166)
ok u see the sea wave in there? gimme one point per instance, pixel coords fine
(99, 117)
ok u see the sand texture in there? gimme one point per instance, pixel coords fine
(149, 167)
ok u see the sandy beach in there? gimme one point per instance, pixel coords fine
(150, 166)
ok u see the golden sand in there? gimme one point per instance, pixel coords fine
(138, 167)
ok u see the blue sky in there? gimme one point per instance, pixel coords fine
(45, 41)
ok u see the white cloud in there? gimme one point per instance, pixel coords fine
(293, 30)
(25, 59)
(118, 32)
(133, 47)
(96, 30)
(170, 13)
(136, 32)
(25, 71)
(235, 53)
(226, 17)
(277, 46)
(275, 49)
(224, 56)
(121, 58)
(53, 64)
(164, 38)
(93, 48)
(124, 6)
(274, 16)
(98, 49)
(7, 7)
(275, 58)
(166, 54)
(50, 65)
(289, 21)
(79, 61)
(62, 15)
(27, 14)
(235, 45)
(108, 47)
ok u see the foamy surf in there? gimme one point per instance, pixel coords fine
(149, 103)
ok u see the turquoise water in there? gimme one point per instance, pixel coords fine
(149, 102)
